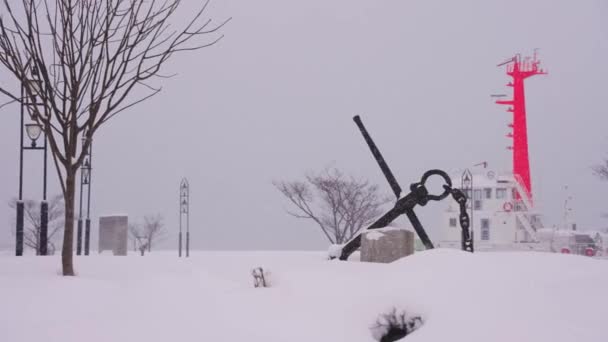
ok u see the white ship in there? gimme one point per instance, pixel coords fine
(504, 220)
(501, 207)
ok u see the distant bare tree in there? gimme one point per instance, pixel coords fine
(146, 234)
(31, 233)
(154, 229)
(601, 170)
(135, 236)
(138, 238)
(341, 206)
(82, 62)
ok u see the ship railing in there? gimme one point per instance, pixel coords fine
(523, 193)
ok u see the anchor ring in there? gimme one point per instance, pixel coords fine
(447, 187)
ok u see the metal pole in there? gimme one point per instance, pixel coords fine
(44, 169)
(87, 233)
(188, 225)
(180, 222)
(44, 224)
(79, 229)
(19, 242)
(19, 228)
(87, 236)
(79, 237)
(180, 244)
(21, 150)
(44, 207)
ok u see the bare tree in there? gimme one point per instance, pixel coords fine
(154, 229)
(601, 170)
(84, 62)
(134, 236)
(146, 234)
(341, 206)
(31, 209)
(138, 238)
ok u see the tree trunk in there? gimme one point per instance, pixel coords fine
(68, 235)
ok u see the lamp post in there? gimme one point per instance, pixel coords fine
(467, 188)
(184, 212)
(85, 182)
(33, 131)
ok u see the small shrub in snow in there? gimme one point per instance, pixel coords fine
(261, 278)
(394, 326)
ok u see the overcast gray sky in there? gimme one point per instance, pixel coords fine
(275, 99)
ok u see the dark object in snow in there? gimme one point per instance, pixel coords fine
(259, 277)
(394, 326)
(419, 195)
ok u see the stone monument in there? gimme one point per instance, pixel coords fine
(113, 234)
(386, 245)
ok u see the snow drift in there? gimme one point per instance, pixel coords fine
(518, 296)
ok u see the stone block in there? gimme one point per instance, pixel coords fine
(113, 234)
(386, 245)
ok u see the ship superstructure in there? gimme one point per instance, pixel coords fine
(501, 217)
(501, 204)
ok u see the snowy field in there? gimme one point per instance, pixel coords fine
(210, 297)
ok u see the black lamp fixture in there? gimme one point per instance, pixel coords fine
(31, 88)
(33, 131)
(85, 182)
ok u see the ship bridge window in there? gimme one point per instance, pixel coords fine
(501, 193)
(485, 229)
(487, 193)
(477, 199)
(467, 192)
(452, 222)
(477, 205)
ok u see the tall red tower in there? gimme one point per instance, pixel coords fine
(519, 70)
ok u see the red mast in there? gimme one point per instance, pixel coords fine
(519, 70)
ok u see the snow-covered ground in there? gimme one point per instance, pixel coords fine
(481, 297)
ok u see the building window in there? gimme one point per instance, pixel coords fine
(467, 192)
(477, 195)
(477, 205)
(501, 193)
(452, 222)
(485, 229)
(487, 192)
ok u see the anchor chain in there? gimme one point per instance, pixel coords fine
(465, 222)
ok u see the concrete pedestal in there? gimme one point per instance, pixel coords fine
(113, 234)
(386, 245)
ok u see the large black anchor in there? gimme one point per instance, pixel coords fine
(419, 195)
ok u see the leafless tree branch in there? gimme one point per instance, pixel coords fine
(341, 206)
(85, 61)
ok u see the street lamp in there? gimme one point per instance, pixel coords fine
(33, 131)
(85, 182)
(184, 212)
